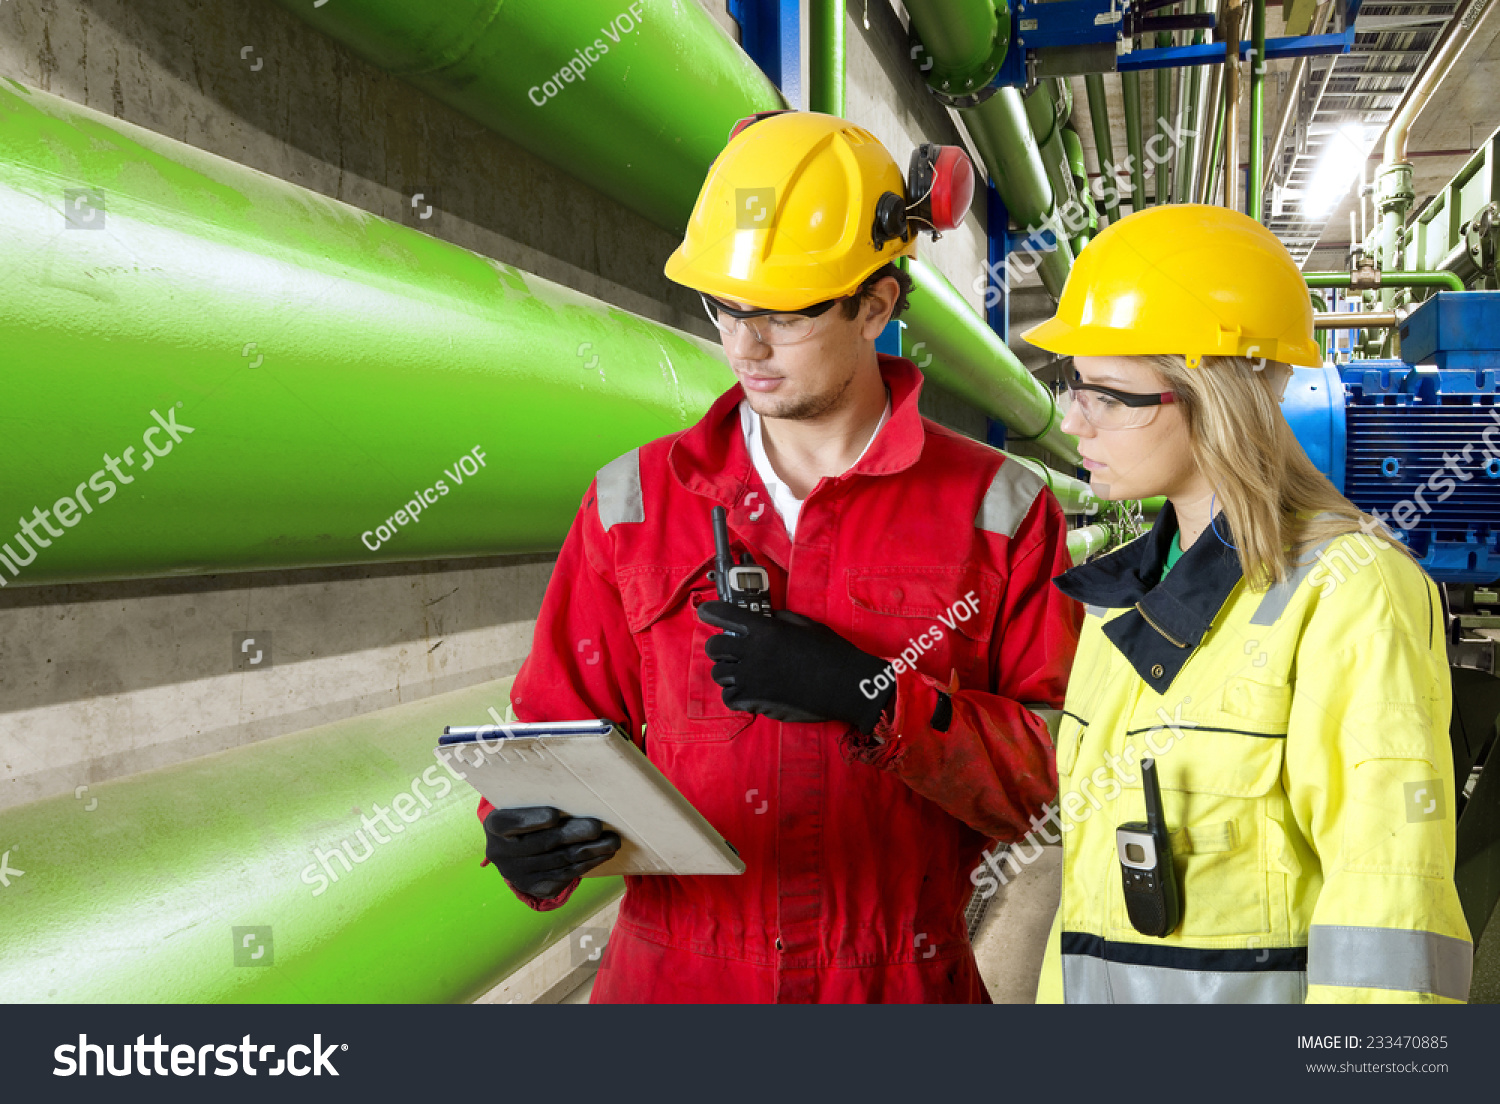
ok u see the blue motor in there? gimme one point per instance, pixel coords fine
(1417, 440)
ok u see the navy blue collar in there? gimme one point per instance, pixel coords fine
(1169, 616)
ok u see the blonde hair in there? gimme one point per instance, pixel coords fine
(1278, 504)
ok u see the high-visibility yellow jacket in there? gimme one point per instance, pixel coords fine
(1301, 741)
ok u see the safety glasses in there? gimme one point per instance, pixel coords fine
(769, 327)
(1107, 408)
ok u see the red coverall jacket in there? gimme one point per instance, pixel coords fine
(857, 851)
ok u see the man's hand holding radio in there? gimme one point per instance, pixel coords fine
(791, 668)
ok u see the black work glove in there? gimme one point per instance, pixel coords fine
(792, 668)
(539, 849)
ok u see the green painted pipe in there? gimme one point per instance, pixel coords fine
(1048, 106)
(132, 892)
(331, 367)
(1258, 110)
(1444, 281)
(948, 341)
(1077, 168)
(1103, 146)
(825, 57)
(1320, 306)
(1131, 85)
(1083, 543)
(1158, 124)
(634, 97)
(959, 47)
(1186, 153)
(1215, 161)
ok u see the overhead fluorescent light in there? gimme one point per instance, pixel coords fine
(1346, 149)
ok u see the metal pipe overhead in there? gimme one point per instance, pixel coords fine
(635, 100)
(1163, 85)
(1233, 10)
(330, 367)
(949, 342)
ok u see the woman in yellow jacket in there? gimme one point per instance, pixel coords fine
(1278, 657)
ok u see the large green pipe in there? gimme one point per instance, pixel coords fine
(1131, 85)
(1103, 146)
(825, 57)
(1048, 107)
(330, 364)
(948, 341)
(653, 89)
(1083, 543)
(1258, 110)
(1443, 281)
(962, 44)
(131, 892)
(1078, 170)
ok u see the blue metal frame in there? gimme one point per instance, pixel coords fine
(1045, 24)
(771, 33)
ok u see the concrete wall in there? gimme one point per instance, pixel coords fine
(102, 680)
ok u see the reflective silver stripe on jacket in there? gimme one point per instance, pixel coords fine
(1279, 595)
(1009, 498)
(619, 486)
(1389, 958)
(1090, 980)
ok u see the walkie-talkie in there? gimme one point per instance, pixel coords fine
(1151, 897)
(745, 584)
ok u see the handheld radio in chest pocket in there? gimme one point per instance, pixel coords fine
(745, 584)
(1151, 897)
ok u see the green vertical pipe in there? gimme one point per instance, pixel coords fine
(1163, 96)
(1216, 160)
(1103, 146)
(1078, 170)
(1187, 149)
(825, 56)
(135, 899)
(1131, 87)
(330, 364)
(1258, 111)
(950, 342)
(635, 99)
(1047, 106)
(1320, 305)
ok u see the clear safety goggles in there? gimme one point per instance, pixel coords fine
(1106, 408)
(769, 327)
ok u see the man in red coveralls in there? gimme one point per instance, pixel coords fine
(865, 744)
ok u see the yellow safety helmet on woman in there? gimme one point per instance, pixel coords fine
(1188, 279)
(801, 207)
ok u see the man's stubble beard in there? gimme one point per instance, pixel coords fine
(811, 406)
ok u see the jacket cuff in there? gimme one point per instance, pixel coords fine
(906, 714)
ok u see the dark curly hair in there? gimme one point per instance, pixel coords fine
(855, 303)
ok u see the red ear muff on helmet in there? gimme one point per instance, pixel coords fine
(751, 120)
(941, 182)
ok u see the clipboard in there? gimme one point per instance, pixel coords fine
(592, 768)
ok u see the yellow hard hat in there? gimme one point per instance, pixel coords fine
(1185, 278)
(787, 216)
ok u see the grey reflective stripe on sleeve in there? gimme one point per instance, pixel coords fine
(1274, 604)
(1009, 498)
(1052, 718)
(1389, 958)
(619, 485)
(1097, 611)
(1090, 980)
